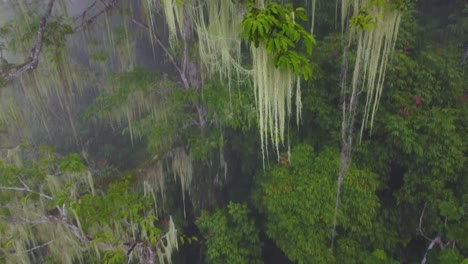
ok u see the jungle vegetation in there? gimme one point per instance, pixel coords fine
(234, 131)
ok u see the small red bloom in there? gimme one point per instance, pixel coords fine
(102, 162)
(403, 112)
(463, 98)
(417, 100)
(335, 53)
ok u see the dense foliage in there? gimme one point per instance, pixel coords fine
(298, 202)
(231, 237)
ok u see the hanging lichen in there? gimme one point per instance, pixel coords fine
(382, 41)
(312, 7)
(274, 89)
(274, 34)
(219, 42)
(154, 183)
(182, 169)
(174, 16)
(154, 175)
(169, 244)
(174, 12)
(9, 111)
(373, 27)
(277, 67)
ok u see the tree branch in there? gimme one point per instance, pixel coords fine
(73, 228)
(11, 73)
(420, 223)
(171, 58)
(27, 189)
(34, 248)
(133, 246)
(436, 241)
(86, 22)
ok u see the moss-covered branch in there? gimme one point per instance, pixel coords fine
(13, 72)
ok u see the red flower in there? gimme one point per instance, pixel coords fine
(463, 98)
(335, 53)
(403, 112)
(417, 100)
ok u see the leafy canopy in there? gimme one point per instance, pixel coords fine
(275, 26)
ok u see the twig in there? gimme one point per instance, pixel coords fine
(36, 247)
(151, 256)
(73, 228)
(132, 248)
(83, 14)
(54, 220)
(31, 249)
(420, 222)
(34, 222)
(171, 58)
(24, 184)
(27, 190)
(70, 226)
(87, 22)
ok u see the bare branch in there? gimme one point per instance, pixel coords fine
(73, 228)
(37, 247)
(11, 73)
(86, 22)
(132, 248)
(54, 220)
(24, 184)
(420, 222)
(83, 14)
(436, 241)
(24, 189)
(151, 255)
(34, 248)
(34, 222)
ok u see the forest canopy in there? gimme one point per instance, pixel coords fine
(234, 131)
